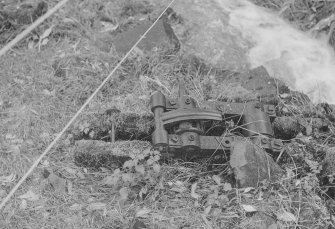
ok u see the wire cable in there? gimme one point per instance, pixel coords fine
(25, 32)
(52, 144)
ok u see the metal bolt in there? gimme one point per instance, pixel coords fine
(174, 139)
(191, 138)
(173, 102)
(188, 101)
(226, 143)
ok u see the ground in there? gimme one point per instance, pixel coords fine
(50, 74)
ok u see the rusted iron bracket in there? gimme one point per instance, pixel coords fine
(182, 129)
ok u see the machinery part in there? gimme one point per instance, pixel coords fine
(180, 125)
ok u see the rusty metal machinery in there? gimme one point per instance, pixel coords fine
(184, 130)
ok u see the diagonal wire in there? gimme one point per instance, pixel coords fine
(52, 144)
(25, 32)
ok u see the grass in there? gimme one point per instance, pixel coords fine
(42, 87)
(303, 14)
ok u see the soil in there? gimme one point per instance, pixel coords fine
(80, 184)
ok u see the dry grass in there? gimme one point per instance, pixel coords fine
(42, 88)
(303, 14)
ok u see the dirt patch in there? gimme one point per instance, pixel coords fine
(161, 36)
(255, 84)
(44, 86)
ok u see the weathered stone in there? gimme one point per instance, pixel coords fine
(208, 35)
(161, 35)
(259, 221)
(251, 165)
(255, 84)
(286, 128)
(96, 154)
(139, 225)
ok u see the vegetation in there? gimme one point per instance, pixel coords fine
(52, 72)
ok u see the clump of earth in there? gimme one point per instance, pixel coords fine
(210, 57)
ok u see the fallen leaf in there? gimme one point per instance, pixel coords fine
(45, 215)
(45, 136)
(124, 193)
(109, 27)
(15, 149)
(248, 189)
(286, 216)
(227, 187)
(68, 20)
(30, 195)
(10, 136)
(140, 169)
(309, 130)
(45, 41)
(193, 193)
(80, 175)
(128, 177)
(69, 187)
(96, 206)
(179, 183)
(75, 207)
(48, 93)
(70, 171)
(207, 209)
(110, 180)
(284, 95)
(128, 164)
(86, 130)
(248, 208)
(156, 167)
(217, 179)
(18, 81)
(23, 204)
(59, 184)
(92, 134)
(31, 44)
(144, 191)
(142, 213)
(46, 33)
(2, 193)
(178, 186)
(45, 163)
(216, 212)
(8, 179)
